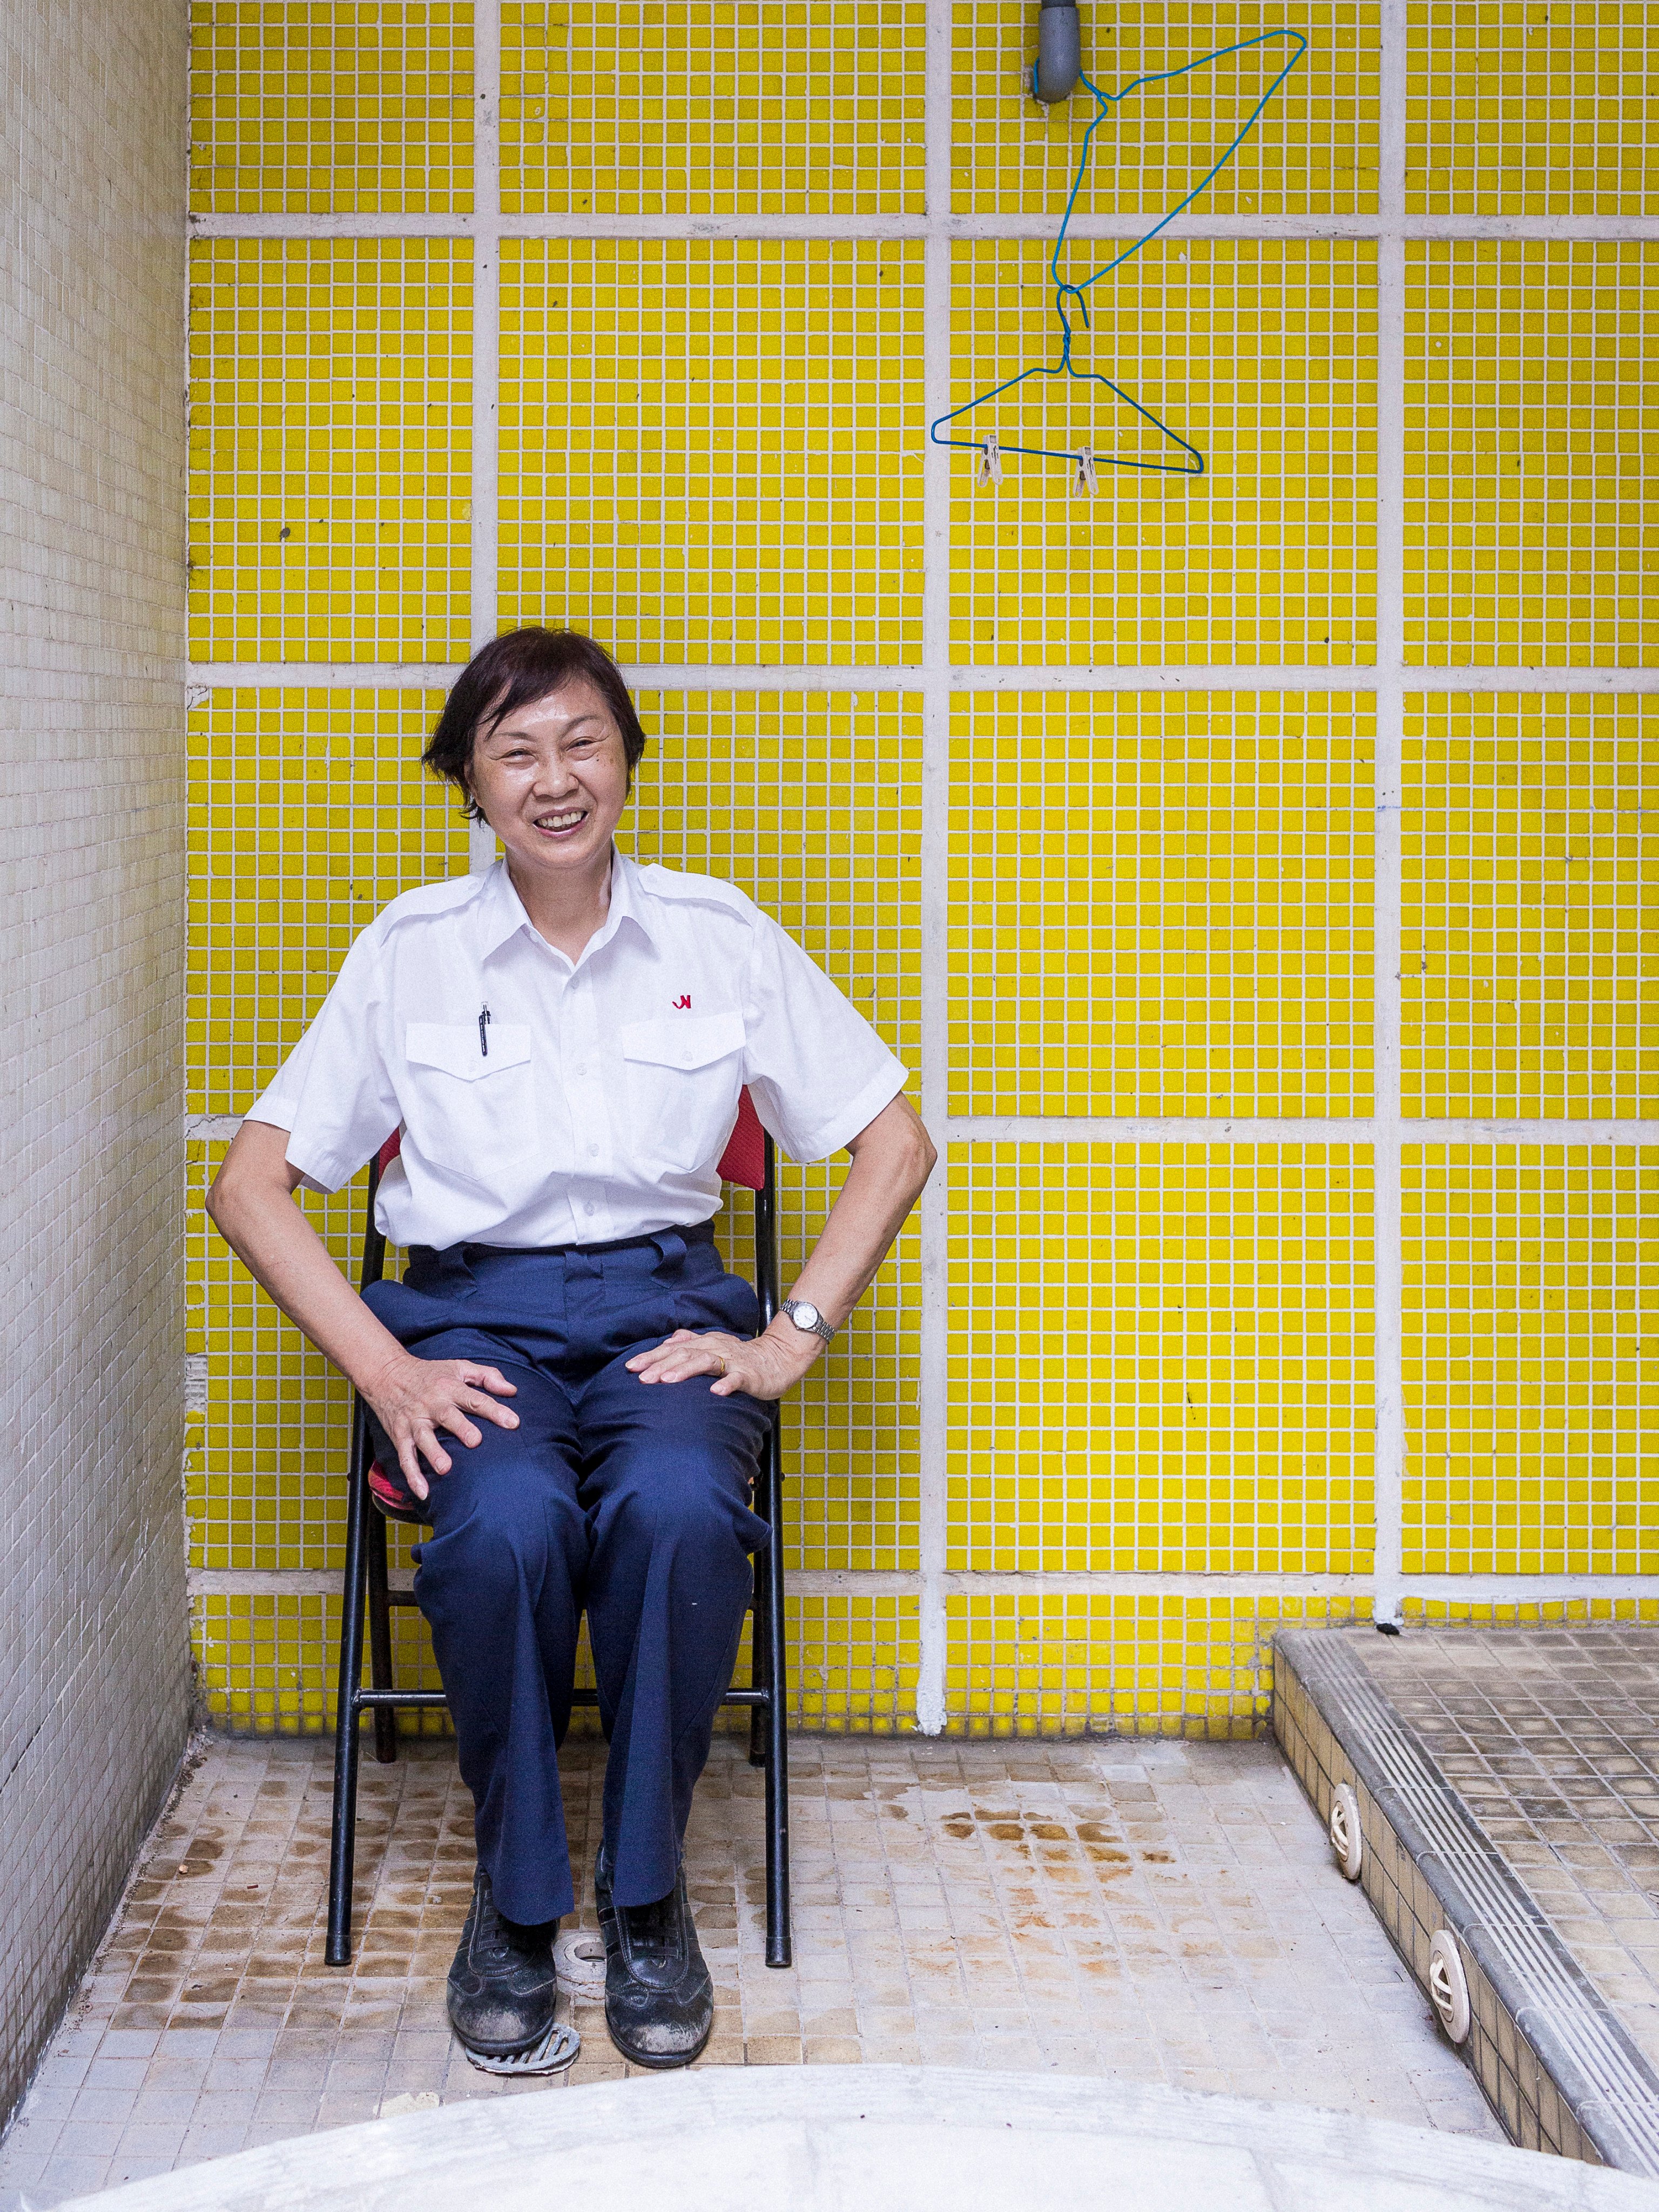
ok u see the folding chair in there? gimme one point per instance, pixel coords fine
(373, 1498)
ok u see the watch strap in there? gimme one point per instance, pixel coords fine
(817, 1327)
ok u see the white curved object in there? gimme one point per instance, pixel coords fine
(579, 1963)
(880, 2139)
(1449, 1987)
(1346, 1839)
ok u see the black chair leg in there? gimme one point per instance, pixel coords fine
(758, 1676)
(780, 1950)
(379, 1641)
(343, 1832)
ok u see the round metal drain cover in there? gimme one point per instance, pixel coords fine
(1346, 1840)
(1449, 1987)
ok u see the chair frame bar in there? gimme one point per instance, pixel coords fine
(367, 1598)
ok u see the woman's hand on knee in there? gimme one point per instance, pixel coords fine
(763, 1366)
(414, 1398)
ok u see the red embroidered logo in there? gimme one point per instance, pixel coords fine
(685, 999)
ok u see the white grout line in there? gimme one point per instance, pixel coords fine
(713, 676)
(1388, 1466)
(1520, 229)
(486, 356)
(933, 1378)
(1169, 1129)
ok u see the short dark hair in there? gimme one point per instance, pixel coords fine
(515, 671)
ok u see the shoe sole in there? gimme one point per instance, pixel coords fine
(518, 2050)
(658, 2062)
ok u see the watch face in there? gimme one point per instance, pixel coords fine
(805, 1314)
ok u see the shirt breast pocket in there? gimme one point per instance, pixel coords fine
(472, 1113)
(683, 1076)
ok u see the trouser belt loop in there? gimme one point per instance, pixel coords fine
(671, 1247)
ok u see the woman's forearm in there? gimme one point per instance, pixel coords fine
(892, 1160)
(252, 1206)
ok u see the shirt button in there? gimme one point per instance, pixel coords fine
(588, 1208)
(594, 1153)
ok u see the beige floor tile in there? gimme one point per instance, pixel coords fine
(1152, 1911)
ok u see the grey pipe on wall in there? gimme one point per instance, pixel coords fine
(1060, 51)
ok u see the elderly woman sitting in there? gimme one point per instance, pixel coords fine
(567, 1375)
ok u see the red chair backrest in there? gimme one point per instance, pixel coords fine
(742, 1160)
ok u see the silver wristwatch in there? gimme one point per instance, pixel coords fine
(805, 1316)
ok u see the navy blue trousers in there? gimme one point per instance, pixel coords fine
(626, 1498)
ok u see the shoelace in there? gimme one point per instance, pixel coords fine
(651, 1927)
(489, 1938)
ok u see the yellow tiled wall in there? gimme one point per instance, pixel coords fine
(1127, 819)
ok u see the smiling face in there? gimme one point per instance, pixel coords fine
(552, 780)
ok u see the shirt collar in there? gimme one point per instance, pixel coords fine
(500, 912)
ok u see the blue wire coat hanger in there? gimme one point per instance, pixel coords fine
(1086, 460)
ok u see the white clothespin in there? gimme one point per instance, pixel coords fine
(1084, 484)
(987, 470)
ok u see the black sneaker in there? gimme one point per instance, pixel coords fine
(503, 1990)
(659, 1999)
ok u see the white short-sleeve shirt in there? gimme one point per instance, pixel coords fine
(546, 1101)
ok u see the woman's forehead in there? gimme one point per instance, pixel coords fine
(550, 715)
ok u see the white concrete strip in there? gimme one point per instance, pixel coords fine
(1387, 1258)
(211, 1128)
(1529, 1133)
(1528, 1589)
(1103, 1129)
(324, 1582)
(1254, 676)
(324, 675)
(933, 1386)
(1129, 1129)
(208, 675)
(486, 357)
(1111, 1582)
(1502, 228)
(1100, 1582)
(278, 1582)
(1148, 1129)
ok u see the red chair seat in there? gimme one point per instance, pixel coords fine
(393, 1500)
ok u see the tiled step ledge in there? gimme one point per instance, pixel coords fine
(1560, 2069)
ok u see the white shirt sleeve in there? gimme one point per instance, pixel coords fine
(815, 1069)
(333, 1093)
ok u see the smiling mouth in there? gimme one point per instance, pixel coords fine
(561, 825)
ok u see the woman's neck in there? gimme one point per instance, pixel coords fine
(566, 909)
